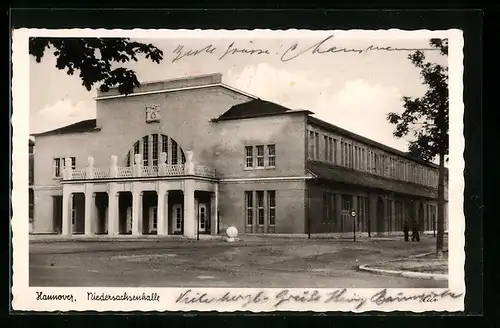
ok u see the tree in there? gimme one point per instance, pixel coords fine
(427, 118)
(94, 59)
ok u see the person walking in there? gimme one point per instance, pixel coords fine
(406, 231)
(414, 232)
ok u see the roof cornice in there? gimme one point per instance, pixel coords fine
(220, 84)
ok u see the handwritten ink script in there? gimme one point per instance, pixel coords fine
(285, 52)
(41, 296)
(285, 296)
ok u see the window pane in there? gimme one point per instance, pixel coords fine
(260, 156)
(155, 149)
(174, 152)
(145, 150)
(249, 156)
(271, 155)
(249, 207)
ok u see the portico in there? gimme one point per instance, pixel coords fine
(164, 199)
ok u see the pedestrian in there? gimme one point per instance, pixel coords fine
(406, 231)
(414, 232)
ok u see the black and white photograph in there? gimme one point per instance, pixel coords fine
(252, 170)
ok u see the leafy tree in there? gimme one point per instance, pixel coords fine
(427, 119)
(94, 58)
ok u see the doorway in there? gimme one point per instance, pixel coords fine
(177, 219)
(202, 218)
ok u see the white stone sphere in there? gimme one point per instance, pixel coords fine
(232, 232)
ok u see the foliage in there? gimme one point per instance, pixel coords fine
(94, 58)
(426, 117)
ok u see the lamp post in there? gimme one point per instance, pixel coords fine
(353, 214)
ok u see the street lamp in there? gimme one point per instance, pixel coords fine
(353, 214)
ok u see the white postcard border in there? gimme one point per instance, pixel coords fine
(25, 297)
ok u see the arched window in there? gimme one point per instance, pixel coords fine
(150, 146)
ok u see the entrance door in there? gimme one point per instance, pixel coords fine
(177, 218)
(153, 219)
(202, 218)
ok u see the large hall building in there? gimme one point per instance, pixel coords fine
(194, 156)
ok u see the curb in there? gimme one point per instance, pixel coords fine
(405, 274)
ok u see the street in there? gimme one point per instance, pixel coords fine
(264, 262)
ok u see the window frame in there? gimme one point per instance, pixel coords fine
(249, 207)
(260, 157)
(271, 209)
(249, 157)
(269, 156)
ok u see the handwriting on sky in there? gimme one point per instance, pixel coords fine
(285, 52)
(284, 297)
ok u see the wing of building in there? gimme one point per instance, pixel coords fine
(194, 156)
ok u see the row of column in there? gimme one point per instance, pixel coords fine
(189, 219)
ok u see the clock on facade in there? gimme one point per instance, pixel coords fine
(152, 113)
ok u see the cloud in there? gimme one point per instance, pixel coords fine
(354, 105)
(61, 113)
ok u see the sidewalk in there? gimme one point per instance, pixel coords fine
(423, 266)
(49, 238)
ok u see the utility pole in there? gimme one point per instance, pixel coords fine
(353, 214)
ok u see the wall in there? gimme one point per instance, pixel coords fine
(410, 171)
(290, 205)
(185, 117)
(286, 132)
(378, 202)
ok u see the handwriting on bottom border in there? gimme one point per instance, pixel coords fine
(286, 296)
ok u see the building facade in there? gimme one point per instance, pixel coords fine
(194, 156)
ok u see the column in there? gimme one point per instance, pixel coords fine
(189, 213)
(67, 227)
(113, 211)
(137, 213)
(214, 209)
(160, 208)
(89, 210)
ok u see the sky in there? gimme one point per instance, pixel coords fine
(352, 90)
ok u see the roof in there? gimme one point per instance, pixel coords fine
(256, 108)
(191, 82)
(78, 127)
(335, 173)
(352, 135)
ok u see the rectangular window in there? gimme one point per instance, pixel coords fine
(136, 148)
(350, 155)
(145, 150)
(271, 155)
(335, 156)
(57, 167)
(316, 146)
(60, 163)
(249, 208)
(155, 150)
(260, 156)
(326, 155)
(175, 158)
(271, 199)
(332, 156)
(248, 156)
(260, 207)
(164, 146)
(311, 144)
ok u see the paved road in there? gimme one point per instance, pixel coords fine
(213, 263)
